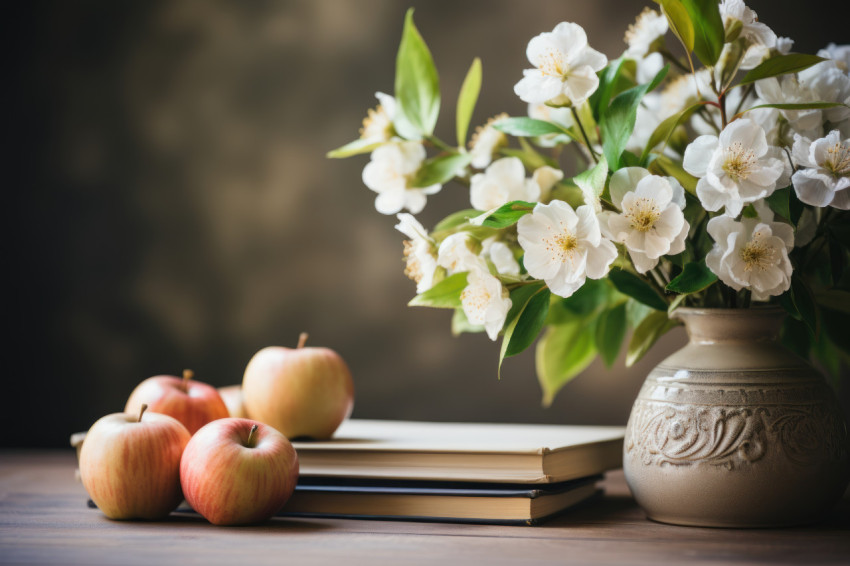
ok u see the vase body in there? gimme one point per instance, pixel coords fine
(735, 431)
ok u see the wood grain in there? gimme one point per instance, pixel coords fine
(44, 520)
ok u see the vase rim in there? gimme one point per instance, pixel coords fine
(721, 311)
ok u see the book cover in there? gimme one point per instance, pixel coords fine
(437, 501)
(472, 452)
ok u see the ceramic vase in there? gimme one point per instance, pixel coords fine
(733, 430)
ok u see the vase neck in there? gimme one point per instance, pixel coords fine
(731, 325)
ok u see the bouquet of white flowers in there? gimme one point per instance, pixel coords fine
(712, 185)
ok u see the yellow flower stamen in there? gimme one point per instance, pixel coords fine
(757, 256)
(838, 160)
(739, 162)
(643, 214)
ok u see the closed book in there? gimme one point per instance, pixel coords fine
(437, 501)
(494, 453)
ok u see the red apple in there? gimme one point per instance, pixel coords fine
(191, 402)
(130, 464)
(238, 471)
(302, 392)
(232, 397)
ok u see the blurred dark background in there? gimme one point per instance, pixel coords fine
(172, 205)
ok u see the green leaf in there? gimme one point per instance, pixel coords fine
(779, 202)
(653, 327)
(680, 21)
(799, 106)
(443, 295)
(438, 170)
(709, 34)
(529, 127)
(461, 324)
(610, 331)
(781, 65)
(417, 85)
(588, 298)
(592, 182)
(508, 214)
(356, 147)
(665, 129)
(562, 353)
(528, 323)
(608, 79)
(632, 285)
(694, 278)
(466, 100)
(520, 298)
(618, 121)
(796, 337)
(455, 219)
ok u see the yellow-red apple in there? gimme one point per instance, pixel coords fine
(130, 464)
(302, 392)
(232, 397)
(238, 471)
(191, 402)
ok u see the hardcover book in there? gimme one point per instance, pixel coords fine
(494, 453)
(437, 501)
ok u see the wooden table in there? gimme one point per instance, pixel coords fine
(44, 520)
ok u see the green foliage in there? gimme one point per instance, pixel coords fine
(443, 295)
(647, 333)
(680, 22)
(508, 214)
(562, 353)
(694, 278)
(592, 182)
(779, 202)
(466, 100)
(709, 34)
(781, 65)
(618, 121)
(438, 170)
(530, 128)
(456, 219)
(417, 85)
(630, 284)
(353, 148)
(666, 128)
(529, 306)
(610, 331)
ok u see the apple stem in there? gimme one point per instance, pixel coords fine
(142, 411)
(187, 375)
(250, 442)
(302, 339)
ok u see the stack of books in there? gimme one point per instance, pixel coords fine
(459, 472)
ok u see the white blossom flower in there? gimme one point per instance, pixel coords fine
(504, 181)
(486, 141)
(756, 33)
(565, 67)
(791, 91)
(826, 179)
(752, 254)
(378, 123)
(456, 255)
(840, 54)
(564, 246)
(647, 29)
(485, 302)
(421, 263)
(828, 83)
(651, 223)
(389, 172)
(735, 169)
(648, 67)
(501, 256)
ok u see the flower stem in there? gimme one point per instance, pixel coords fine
(670, 57)
(440, 144)
(584, 135)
